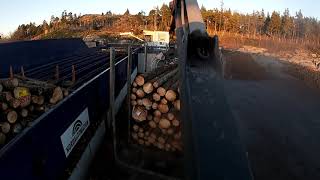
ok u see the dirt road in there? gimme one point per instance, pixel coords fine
(278, 116)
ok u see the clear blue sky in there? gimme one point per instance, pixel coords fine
(15, 12)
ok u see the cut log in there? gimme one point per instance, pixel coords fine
(2, 138)
(177, 136)
(156, 97)
(19, 92)
(6, 96)
(10, 83)
(4, 106)
(34, 99)
(160, 146)
(5, 127)
(65, 92)
(135, 128)
(24, 113)
(141, 141)
(164, 131)
(148, 88)
(156, 119)
(143, 78)
(170, 116)
(23, 95)
(152, 124)
(163, 108)
(161, 91)
(40, 100)
(170, 131)
(134, 84)
(140, 93)
(14, 103)
(134, 90)
(155, 106)
(135, 136)
(153, 135)
(12, 116)
(157, 113)
(139, 113)
(56, 96)
(171, 95)
(140, 102)
(17, 128)
(151, 140)
(164, 101)
(176, 105)
(147, 103)
(167, 147)
(134, 103)
(149, 117)
(141, 135)
(161, 140)
(164, 123)
(176, 123)
(139, 80)
(165, 78)
(30, 81)
(141, 130)
(133, 97)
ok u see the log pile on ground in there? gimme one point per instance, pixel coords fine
(155, 109)
(22, 100)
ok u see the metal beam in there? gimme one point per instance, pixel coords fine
(213, 149)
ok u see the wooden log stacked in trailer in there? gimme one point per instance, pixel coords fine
(22, 100)
(155, 109)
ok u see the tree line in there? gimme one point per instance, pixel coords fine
(276, 24)
(282, 25)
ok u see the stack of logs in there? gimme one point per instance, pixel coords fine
(22, 100)
(155, 109)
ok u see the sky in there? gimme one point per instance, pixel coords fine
(16, 12)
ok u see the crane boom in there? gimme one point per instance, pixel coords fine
(212, 144)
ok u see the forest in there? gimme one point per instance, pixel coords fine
(293, 27)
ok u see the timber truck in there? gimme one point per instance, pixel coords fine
(93, 119)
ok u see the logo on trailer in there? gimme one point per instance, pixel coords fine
(76, 127)
(75, 131)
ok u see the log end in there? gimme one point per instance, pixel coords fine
(164, 124)
(171, 95)
(140, 93)
(148, 88)
(12, 117)
(161, 91)
(139, 80)
(139, 113)
(163, 108)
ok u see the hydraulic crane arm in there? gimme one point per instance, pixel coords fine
(212, 145)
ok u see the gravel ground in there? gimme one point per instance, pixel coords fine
(278, 116)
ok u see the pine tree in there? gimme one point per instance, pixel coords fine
(275, 23)
(165, 17)
(266, 25)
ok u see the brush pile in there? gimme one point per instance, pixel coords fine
(155, 109)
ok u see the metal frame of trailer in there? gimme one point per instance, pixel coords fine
(37, 153)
